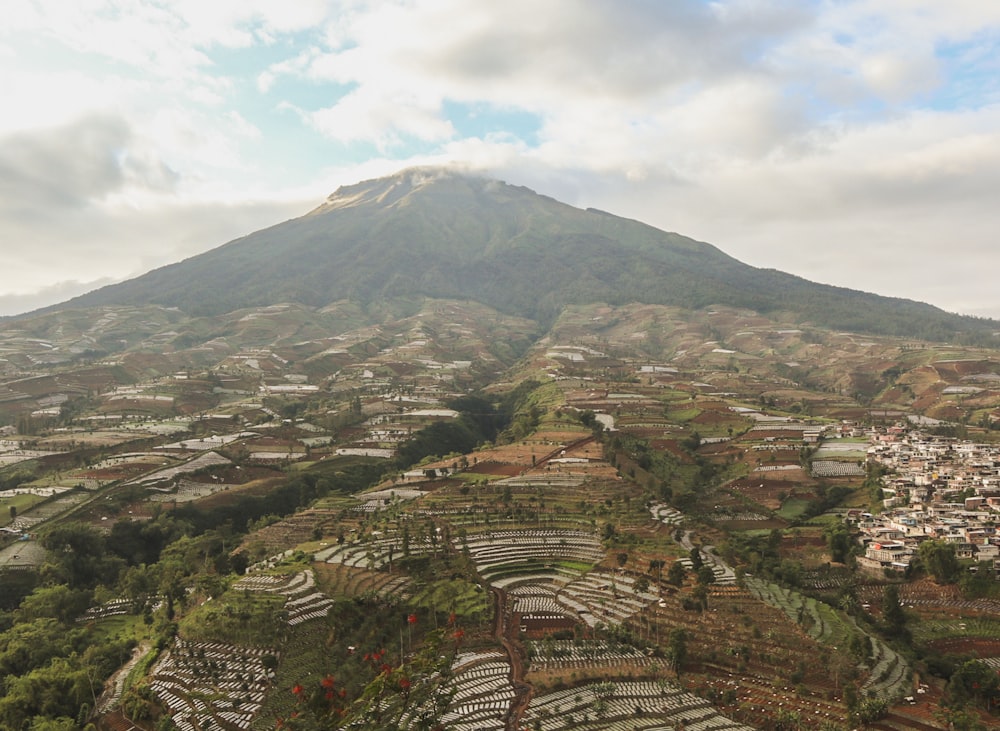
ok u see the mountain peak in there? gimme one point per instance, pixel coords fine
(391, 189)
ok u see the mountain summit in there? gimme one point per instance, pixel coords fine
(442, 233)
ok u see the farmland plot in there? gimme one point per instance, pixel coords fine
(205, 684)
(625, 706)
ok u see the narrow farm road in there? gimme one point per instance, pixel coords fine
(506, 633)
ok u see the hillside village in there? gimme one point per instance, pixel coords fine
(941, 488)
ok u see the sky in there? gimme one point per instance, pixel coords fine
(851, 142)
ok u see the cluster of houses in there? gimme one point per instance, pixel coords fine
(934, 488)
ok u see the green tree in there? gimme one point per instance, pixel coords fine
(892, 612)
(657, 564)
(695, 556)
(58, 602)
(676, 573)
(34, 643)
(700, 595)
(976, 682)
(56, 690)
(939, 560)
(960, 719)
(869, 710)
(787, 720)
(55, 724)
(979, 583)
(839, 541)
(79, 557)
(706, 575)
(677, 650)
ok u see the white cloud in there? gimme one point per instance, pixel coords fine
(46, 170)
(532, 56)
(362, 115)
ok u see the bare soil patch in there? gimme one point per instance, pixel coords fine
(495, 468)
(977, 646)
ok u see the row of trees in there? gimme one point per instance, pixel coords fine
(480, 420)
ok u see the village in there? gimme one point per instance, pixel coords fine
(934, 487)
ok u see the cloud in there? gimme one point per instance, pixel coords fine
(43, 171)
(362, 116)
(747, 70)
(538, 57)
(15, 304)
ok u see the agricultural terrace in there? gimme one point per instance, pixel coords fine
(626, 705)
(205, 684)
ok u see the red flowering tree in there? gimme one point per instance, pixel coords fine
(405, 695)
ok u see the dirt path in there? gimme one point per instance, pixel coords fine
(542, 461)
(506, 634)
(116, 683)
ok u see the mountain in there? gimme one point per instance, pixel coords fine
(440, 233)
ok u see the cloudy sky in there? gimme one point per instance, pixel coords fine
(853, 142)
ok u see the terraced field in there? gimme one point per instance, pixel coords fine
(626, 706)
(888, 672)
(205, 684)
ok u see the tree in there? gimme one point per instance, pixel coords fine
(692, 441)
(35, 643)
(59, 602)
(676, 573)
(677, 649)
(860, 647)
(700, 595)
(55, 690)
(840, 667)
(657, 564)
(706, 575)
(80, 557)
(960, 719)
(63, 723)
(869, 710)
(979, 583)
(838, 540)
(974, 681)
(892, 612)
(787, 720)
(696, 560)
(939, 559)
